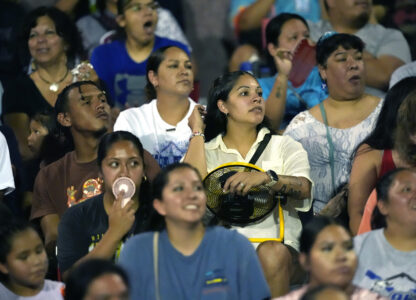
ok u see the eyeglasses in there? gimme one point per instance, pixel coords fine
(139, 7)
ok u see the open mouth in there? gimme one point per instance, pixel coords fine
(148, 27)
(257, 109)
(355, 79)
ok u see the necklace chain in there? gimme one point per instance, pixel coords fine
(54, 86)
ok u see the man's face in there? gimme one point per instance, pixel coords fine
(88, 110)
(354, 11)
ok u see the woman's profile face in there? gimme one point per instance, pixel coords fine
(245, 102)
(332, 259)
(174, 75)
(401, 205)
(122, 160)
(107, 286)
(293, 31)
(183, 197)
(344, 73)
(45, 45)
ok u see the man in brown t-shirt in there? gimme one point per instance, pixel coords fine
(83, 108)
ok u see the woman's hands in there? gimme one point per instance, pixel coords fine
(283, 61)
(84, 71)
(196, 119)
(121, 219)
(241, 182)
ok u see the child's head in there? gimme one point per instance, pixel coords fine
(137, 20)
(41, 124)
(23, 260)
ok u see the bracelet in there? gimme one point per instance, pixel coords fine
(197, 133)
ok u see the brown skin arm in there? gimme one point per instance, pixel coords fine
(195, 155)
(49, 226)
(292, 186)
(67, 6)
(252, 15)
(378, 70)
(19, 123)
(363, 179)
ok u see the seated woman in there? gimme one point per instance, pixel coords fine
(387, 256)
(53, 43)
(378, 153)
(162, 124)
(97, 279)
(188, 260)
(23, 264)
(122, 63)
(327, 254)
(284, 101)
(235, 126)
(98, 227)
(331, 131)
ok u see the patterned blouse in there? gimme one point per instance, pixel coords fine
(311, 133)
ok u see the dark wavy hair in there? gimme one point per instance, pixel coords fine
(328, 43)
(65, 28)
(80, 278)
(215, 120)
(382, 136)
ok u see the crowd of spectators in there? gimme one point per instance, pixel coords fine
(317, 97)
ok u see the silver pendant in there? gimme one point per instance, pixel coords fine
(54, 87)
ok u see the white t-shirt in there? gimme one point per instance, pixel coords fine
(6, 173)
(282, 155)
(165, 142)
(52, 290)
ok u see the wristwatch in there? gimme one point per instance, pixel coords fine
(273, 178)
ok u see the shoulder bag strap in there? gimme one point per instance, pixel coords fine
(155, 263)
(260, 148)
(331, 145)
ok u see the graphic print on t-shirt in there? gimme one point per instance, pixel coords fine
(170, 152)
(129, 90)
(397, 287)
(91, 187)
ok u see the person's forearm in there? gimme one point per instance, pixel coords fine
(252, 15)
(276, 102)
(105, 249)
(67, 6)
(295, 187)
(195, 155)
(378, 71)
